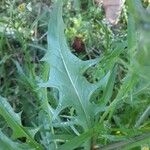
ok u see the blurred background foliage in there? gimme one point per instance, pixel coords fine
(23, 42)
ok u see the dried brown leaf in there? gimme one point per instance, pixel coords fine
(112, 9)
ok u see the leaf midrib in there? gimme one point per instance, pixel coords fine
(69, 76)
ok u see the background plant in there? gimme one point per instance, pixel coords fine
(65, 102)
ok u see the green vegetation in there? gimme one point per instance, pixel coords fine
(71, 81)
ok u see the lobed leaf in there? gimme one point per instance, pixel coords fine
(66, 73)
(14, 121)
(7, 143)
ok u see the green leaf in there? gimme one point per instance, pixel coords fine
(14, 121)
(66, 73)
(143, 117)
(132, 38)
(6, 143)
(109, 88)
(138, 11)
(133, 142)
(128, 83)
(139, 20)
(78, 140)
